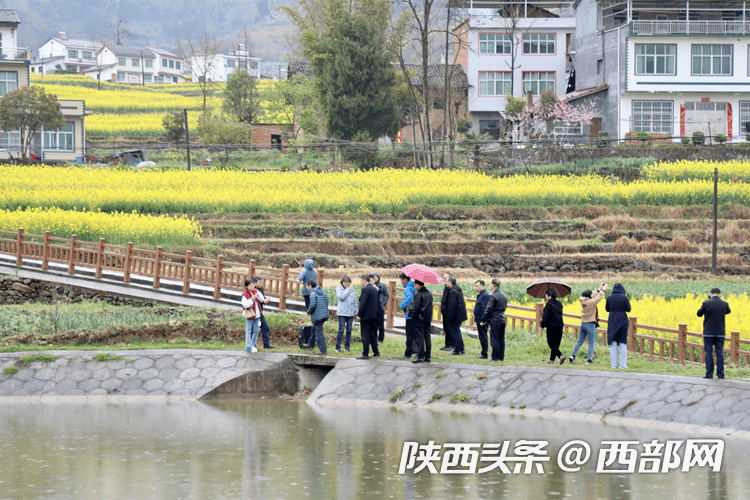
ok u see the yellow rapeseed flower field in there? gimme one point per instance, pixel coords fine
(116, 228)
(733, 170)
(378, 191)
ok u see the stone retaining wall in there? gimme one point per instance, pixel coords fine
(186, 373)
(682, 400)
(15, 290)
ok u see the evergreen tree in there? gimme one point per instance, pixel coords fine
(355, 79)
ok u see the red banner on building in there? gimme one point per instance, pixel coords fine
(682, 120)
(729, 120)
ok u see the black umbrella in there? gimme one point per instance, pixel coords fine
(539, 288)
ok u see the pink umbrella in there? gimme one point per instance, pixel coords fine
(422, 273)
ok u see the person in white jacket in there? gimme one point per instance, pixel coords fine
(251, 300)
(345, 310)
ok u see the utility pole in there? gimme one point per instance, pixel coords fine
(187, 137)
(716, 209)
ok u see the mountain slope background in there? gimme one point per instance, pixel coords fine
(157, 23)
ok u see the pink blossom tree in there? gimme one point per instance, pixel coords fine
(550, 110)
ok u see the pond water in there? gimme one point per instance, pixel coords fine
(273, 449)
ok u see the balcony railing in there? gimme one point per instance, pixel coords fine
(18, 53)
(691, 27)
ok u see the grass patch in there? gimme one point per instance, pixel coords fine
(440, 375)
(482, 376)
(397, 394)
(435, 397)
(44, 358)
(460, 398)
(10, 370)
(107, 357)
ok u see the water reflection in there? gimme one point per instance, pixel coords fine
(274, 449)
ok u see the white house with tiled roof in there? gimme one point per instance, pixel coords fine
(70, 55)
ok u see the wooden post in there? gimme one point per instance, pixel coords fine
(128, 260)
(19, 247)
(157, 268)
(217, 276)
(99, 258)
(632, 330)
(682, 343)
(186, 281)
(72, 260)
(45, 251)
(321, 277)
(391, 304)
(251, 269)
(284, 285)
(539, 306)
(734, 348)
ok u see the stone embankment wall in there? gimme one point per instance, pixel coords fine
(184, 373)
(686, 401)
(15, 290)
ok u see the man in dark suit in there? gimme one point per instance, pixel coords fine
(367, 316)
(422, 311)
(714, 311)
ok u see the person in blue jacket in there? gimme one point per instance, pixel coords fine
(405, 306)
(307, 274)
(318, 312)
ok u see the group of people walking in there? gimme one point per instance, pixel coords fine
(489, 316)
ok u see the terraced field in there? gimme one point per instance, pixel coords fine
(490, 242)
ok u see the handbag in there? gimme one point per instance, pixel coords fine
(250, 312)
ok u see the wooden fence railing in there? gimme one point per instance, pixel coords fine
(678, 344)
(156, 264)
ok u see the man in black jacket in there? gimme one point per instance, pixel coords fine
(383, 299)
(714, 311)
(422, 313)
(263, 323)
(479, 307)
(368, 317)
(443, 304)
(454, 315)
(494, 316)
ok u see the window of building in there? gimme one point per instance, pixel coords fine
(87, 54)
(146, 78)
(171, 63)
(177, 65)
(8, 81)
(600, 66)
(73, 54)
(60, 139)
(538, 43)
(164, 63)
(148, 63)
(655, 59)
(174, 79)
(230, 63)
(120, 77)
(712, 59)
(494, 43)
(538, 82)
(70, 68)
(494, 83)
(136, 63)
(653, 116)
(10, 140)
(243, 64)
(122, 61)
(254, 65)
(41, 69)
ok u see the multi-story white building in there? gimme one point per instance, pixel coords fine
(66, 143)
(220, 67)
(671, 68)
(513, 47)
(63, 54)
